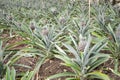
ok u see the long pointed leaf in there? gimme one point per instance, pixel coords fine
(64, 74)
(98, 75)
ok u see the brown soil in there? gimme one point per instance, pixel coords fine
(51, 67)
(11, 41)
(107, 65)
(27, 61)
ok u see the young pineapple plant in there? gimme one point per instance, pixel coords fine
(108, 26)
(83, 63)
(108, 23)
(41, 40)
(114, 46)
(83, 28)
(46, 37)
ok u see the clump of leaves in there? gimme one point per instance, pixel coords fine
(108, 20)
(10, 74)
(84, 62)
(4, 55)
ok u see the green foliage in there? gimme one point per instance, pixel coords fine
(27, 76)
(109, 28)
(10, 74)
(84, 62)
(2, 69)
(98, 75)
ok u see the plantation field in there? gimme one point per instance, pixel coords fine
(59, 40)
